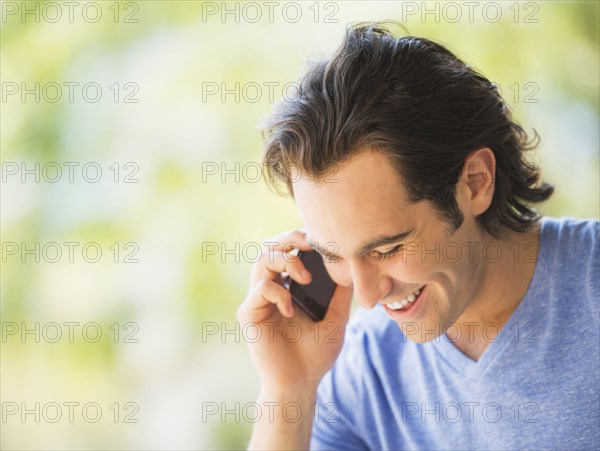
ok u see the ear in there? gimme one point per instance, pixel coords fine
(478, 178)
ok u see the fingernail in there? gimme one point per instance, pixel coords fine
(305, 274)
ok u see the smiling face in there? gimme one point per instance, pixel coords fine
(362, 213)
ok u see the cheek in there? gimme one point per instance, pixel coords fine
(411, 269)
(340, 273)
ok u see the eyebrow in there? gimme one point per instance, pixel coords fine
(367, 247)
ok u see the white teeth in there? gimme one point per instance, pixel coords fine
(398, 305)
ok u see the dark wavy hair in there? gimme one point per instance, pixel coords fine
(423, 108)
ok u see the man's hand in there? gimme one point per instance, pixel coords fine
(294, 352)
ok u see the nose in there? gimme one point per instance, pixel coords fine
(369, 285)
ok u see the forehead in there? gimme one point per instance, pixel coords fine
(363, 198)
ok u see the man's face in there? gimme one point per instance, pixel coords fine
(364, 201)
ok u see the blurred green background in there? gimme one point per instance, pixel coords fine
(170, 352)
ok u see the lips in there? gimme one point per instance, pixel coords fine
(405, 309)
(405, 302)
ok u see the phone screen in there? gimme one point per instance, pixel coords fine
(315, 297)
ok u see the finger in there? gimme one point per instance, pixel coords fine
(272, 264)
(266, 295)
(288, 240)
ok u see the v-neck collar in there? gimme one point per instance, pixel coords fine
(522, 314)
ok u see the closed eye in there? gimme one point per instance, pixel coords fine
(389, 254)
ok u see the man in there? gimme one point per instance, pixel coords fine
(480, 324)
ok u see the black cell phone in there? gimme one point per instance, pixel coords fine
(315, 297)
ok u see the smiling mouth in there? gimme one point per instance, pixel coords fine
(407, 302)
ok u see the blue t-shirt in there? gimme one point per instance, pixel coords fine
(536, 386)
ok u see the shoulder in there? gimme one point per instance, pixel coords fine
(571, 256)
(367, 352)
(363, 353)
(570, 242)
(353, 387)
(567, 230)
(369, 329)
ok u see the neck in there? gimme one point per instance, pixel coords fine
(505, 284)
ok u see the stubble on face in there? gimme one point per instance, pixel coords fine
(365, 199)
